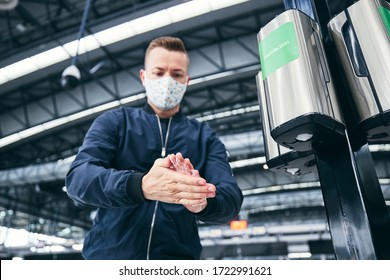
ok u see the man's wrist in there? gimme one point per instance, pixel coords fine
(134, 187)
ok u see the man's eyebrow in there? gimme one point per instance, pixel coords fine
(163, 69)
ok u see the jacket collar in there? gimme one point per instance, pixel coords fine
(148, 109)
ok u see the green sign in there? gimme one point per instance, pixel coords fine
(385, 14)
(278, 48)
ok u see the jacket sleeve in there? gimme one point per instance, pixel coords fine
(90, 180)
(226, 205)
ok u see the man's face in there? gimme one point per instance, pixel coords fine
(162, 63)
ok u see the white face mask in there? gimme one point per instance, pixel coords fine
(164, 93)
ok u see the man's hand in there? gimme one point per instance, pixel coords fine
(165, 184)
(184, 165)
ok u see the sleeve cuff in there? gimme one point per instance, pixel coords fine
(211, 205)
(134, 187)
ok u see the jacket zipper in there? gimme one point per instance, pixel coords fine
(163, 154)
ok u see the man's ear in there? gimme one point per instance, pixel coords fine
(142, 75)
(188, 80)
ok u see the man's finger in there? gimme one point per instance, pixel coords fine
(191, 202)
(179, 157)
(186, 179)
(207, 189)
(188, 163)
(192, 196)
(162, 162)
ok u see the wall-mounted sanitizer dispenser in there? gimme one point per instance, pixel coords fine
(281, 159)
(362, 37)
(301, 102)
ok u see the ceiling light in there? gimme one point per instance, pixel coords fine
(304, 255)
(379, 148)
(114, 34)
(87, 44)
(230, 113)
(20, 68)
(50, 57)
(384, 181)
(77, 247)
(3, 79)
(247, 162)
(216, 5)
(293, 186)
(188, 10)
(10, 139)
(151, 22)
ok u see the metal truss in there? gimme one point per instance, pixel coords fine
(32, 22)
(47, 148)
(41, 101)
(39, 200)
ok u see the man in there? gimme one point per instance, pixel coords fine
(131, 167)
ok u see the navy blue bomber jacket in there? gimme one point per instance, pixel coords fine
(119, 148)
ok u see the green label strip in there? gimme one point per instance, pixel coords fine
(278, 48)
(385, 14)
